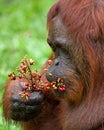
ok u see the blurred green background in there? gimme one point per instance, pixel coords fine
(22, 32)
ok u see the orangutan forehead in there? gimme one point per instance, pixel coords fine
(57, 31)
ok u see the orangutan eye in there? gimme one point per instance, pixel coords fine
(52, 45)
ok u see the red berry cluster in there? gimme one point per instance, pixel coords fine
(12, 76)
(58, 85)
(24, 95)
(34, 82)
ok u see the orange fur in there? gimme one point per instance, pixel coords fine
(85, 22)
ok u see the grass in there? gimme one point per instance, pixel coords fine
(22, 32)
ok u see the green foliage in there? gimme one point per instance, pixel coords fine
(22, 32)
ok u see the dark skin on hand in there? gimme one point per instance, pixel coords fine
(76, 37)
